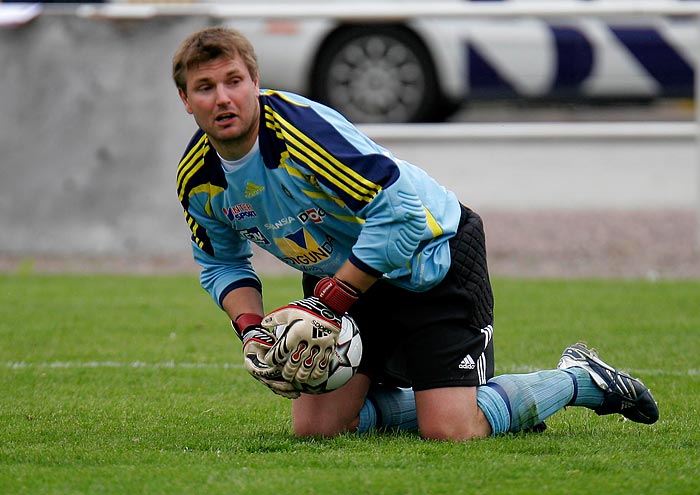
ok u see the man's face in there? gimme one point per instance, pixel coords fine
(223, 99)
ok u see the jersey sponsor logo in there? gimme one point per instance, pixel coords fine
(300, 248)
(254, 234)
(240, 211)
(314, 215)
(252, 190)
(280, 223)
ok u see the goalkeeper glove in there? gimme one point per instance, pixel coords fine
(307, 330)
(256, 344)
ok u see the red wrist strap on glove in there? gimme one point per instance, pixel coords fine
(245, 320)
(336, 294)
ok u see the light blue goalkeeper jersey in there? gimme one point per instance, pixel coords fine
(314, 193)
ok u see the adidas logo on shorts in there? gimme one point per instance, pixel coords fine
(467, 363)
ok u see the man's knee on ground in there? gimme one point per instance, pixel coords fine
(453, 432)
(310, 427)
(451, 414)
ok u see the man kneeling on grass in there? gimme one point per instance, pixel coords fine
(377, 239)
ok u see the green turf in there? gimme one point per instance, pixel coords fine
(133, 385)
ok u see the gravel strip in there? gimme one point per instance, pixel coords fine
(543, 244)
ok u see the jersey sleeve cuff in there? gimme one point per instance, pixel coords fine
(364, 266)
(246, 282)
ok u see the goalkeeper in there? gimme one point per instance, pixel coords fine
(374, 236)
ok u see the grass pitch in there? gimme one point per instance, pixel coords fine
(134, 385)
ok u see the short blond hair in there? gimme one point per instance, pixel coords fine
(209, 44)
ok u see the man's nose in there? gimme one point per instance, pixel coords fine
(222, 97)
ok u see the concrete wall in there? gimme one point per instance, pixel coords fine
(567, 166)
(91, 130)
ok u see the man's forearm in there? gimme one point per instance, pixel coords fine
(243, 300)
(355, 277)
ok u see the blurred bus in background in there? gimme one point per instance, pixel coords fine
(424, 69)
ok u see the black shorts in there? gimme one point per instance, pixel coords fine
(433, 339)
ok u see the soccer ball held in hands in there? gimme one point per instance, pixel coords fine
(344, 361)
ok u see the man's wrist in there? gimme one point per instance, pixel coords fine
(336, 294)
(245, 320)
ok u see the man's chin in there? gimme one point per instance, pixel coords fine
(225, 135)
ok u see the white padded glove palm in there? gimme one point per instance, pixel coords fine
(307, 332)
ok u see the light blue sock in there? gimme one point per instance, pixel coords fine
(388, 408)
(511, 403)
(586, 392)
(368, 418)
(495, 408)
(518, 402)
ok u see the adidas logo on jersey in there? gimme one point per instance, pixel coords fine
(253, 190)
(467, 363)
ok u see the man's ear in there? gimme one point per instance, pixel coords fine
(183, 97)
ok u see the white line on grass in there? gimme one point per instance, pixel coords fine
(116, 364)
(19, 365)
